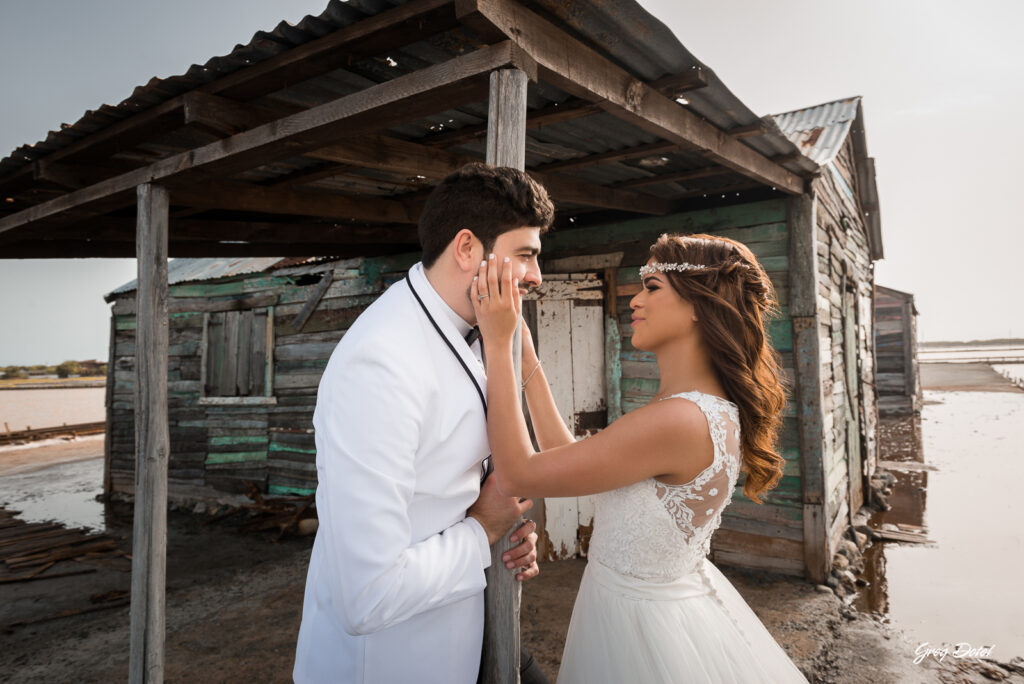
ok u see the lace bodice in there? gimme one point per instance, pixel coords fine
(657, 531)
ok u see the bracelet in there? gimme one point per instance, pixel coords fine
(530, 375)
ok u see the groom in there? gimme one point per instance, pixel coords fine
(395, 590)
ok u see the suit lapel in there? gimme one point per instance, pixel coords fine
(433, 308)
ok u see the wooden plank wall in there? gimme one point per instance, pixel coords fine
(899, 385)
(765, 536)
(215, 448)
(844, 265)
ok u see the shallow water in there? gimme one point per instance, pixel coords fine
(41, 408)
(966, 586)
(65, 492)
(1013, 371)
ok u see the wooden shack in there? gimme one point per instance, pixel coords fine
(899, 380)
(323, 138)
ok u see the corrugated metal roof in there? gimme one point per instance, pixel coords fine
(621, 28)
(184, 270)
(820, 131)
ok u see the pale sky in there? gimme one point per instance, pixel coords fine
(942, 85)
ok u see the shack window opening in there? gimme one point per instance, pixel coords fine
(238, 350)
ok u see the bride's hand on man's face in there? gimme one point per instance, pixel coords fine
(496, 300)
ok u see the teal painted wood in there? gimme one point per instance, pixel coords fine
(282, 490)
(236, 457)
(613, 368)
(277, 446)
(240, 439)
(220, 288)
(648, 229)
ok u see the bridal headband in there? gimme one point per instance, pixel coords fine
(657, 267)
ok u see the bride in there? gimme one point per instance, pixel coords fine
(651, 606)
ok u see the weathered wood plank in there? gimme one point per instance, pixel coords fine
(149, 548)
(403, 98)
(582, 71)
(506, 146)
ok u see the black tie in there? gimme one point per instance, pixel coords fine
(472, 336)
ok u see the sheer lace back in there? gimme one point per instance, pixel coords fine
(654, 530)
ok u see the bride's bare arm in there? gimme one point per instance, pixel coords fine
(548, 425)
(647, 442)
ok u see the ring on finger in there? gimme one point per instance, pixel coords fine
(482, 297)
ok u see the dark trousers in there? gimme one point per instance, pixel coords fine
(529, 671)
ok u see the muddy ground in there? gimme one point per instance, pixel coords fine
(234, 604)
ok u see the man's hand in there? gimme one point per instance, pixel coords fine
(523, 555)
(496, 512)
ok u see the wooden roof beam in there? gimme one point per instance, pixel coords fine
(390, 29)
(583, 72)
(612, 156)
(241, 197)
(413, 95)
(79, 249)
(399, 156)
(694, 174)
(552, 114)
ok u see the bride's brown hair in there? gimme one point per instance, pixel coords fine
(733, 299)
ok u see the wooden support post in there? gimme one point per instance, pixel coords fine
(149, 548)
(506, 146)
(807, 390)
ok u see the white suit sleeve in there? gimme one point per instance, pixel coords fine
(367, 433)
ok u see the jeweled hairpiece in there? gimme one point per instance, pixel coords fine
(657, 267)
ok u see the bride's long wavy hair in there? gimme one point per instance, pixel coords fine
(733, 299)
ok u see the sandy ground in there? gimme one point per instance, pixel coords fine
(26, 458)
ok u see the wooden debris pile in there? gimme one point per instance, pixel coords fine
(28, 550)
(27, 435)
(289, 515)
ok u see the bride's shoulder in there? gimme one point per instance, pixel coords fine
(677, 418)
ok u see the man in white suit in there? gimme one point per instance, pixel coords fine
(396, 578)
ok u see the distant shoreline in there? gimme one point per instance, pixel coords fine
(73, 383)
(1015, 342)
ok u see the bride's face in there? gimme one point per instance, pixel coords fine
(660, 315)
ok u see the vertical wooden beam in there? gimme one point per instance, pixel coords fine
(506, 146)
(612, 346)
(807, 390)
(149, 548)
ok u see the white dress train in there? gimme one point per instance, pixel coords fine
(651, 607)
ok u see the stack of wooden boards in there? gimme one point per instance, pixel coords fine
(29, 550)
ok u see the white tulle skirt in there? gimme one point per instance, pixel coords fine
(694, 629)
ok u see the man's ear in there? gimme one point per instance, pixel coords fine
(467, 250)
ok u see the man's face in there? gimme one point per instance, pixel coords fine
(522, 247)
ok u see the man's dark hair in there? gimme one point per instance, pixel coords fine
(488, 200)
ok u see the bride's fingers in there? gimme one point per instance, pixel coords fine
(492, 278)
(482, 278)
(517, 297)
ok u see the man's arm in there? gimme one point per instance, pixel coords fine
(367, 432)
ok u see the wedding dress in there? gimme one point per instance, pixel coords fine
(651, 607)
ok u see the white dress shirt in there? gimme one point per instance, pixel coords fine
(395, 586)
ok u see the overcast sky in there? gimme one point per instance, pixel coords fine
(941, 81)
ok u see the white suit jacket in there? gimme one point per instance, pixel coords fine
(395, 586)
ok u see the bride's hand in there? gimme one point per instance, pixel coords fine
(497, 302)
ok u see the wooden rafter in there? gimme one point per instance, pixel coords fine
(583, 72)
(385, 31)
(552, 114)
(399, 156)
(437, 87)
(675, 177)
(648, 149)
